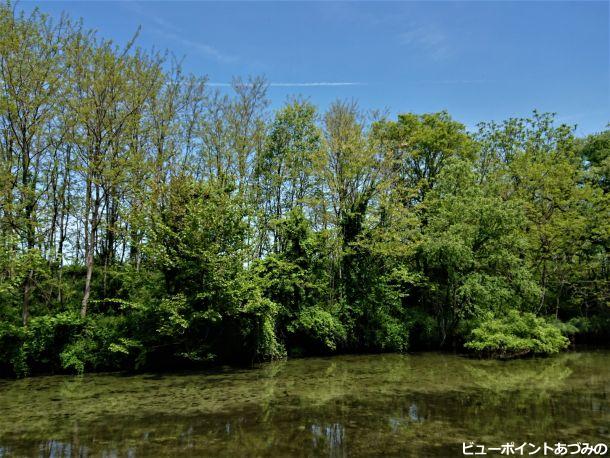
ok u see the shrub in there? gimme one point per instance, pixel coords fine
(595, 328)
(515, 334)
(392, 335)
(319, 326)
(101, 345)
(37, 346)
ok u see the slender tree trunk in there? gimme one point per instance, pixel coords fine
(29, 229)
(90, 243)
(89, 265)
(63, 228)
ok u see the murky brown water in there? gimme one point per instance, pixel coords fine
(373, 405)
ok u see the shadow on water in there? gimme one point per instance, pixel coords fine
(407, 405)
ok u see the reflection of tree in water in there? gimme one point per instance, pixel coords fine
(329, 437)
(399, 420)
(545, 374)
(512, 396)
(324, 406)
(525, 400)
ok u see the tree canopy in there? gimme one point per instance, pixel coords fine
(148, 220)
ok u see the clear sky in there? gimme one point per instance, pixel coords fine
(480, 60)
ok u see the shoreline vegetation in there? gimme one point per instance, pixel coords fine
(149, 221)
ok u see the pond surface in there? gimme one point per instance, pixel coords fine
(392, 405)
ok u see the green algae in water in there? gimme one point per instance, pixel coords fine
(402, 405)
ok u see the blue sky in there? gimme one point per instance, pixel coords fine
(480, 60)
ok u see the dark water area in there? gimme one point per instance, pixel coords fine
(373, 405)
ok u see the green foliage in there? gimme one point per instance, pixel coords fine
(392, 334)
(515, 334)
(594, 328)
(595, 151)
(260, 313)
(473, 250)
(148, 221)
(319, 326)
(27, 349)
(423, 329)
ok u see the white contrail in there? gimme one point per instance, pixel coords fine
(311, 84)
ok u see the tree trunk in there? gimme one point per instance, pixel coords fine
(90, 245)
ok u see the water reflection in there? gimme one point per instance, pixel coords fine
(329, 437)
(420, 405)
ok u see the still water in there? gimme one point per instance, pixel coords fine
(373, 405)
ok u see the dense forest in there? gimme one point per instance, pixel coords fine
(148, 220)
